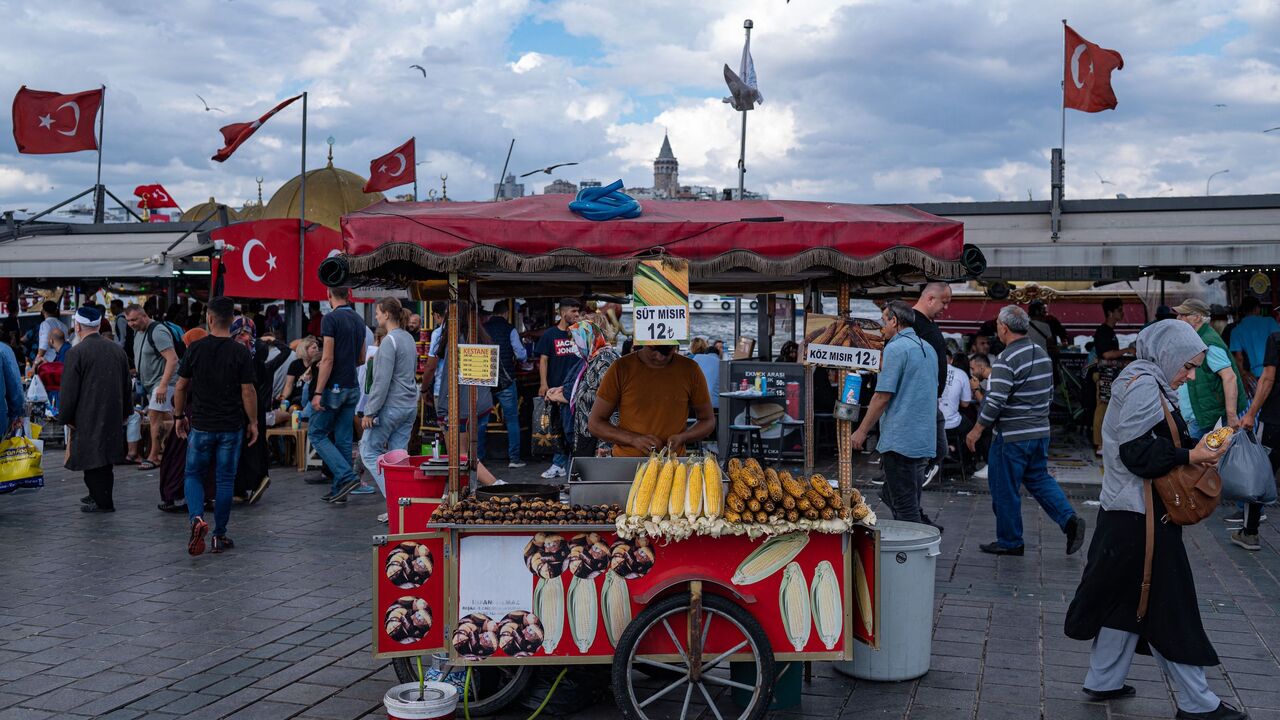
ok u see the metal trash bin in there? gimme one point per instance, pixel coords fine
(908, 554)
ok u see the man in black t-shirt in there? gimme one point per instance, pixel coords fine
(934, 299)
(1106, 347)
(558, 360)
(218, 374)
(1265, 406)
(335, 392)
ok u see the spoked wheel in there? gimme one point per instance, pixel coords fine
(673, 691)
(491, 690)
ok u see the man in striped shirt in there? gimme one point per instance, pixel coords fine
(1017, 406)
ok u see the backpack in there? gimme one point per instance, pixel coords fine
(179, 347)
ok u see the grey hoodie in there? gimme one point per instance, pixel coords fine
(394, 366)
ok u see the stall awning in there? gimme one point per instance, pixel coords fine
(101, 252)
(774, 240)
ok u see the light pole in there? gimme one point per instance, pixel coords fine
(1211, 177)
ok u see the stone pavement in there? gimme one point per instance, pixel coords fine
(107, 616)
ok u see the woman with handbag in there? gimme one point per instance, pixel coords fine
(579, 392)
(1128, 600)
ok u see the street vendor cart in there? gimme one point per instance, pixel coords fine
(697, 611)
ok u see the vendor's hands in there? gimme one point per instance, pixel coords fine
(366, 422)
(1206, 456)
(971, 440)
(646, 443)
(676, 443)
(181, 427)
(859, 439)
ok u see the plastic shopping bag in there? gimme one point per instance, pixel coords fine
(35, 391)
(1246, 470)
(547, 432)
(20, 464)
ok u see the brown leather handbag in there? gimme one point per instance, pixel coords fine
(1190, 494)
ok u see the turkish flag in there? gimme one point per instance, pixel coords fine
(261, 259)
(235, 134)
(155, 196)
(1086, 76)
(393, 169)
(48, 122)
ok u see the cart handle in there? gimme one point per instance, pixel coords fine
(671, 581)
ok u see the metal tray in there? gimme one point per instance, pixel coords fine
(601, 481)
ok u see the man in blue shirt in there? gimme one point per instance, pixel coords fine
(905, 403)
(1249, 340)
(336, 393)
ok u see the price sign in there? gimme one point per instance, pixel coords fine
(836, 356)
(661, 323)
(478, 365)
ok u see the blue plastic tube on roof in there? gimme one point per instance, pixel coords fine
(605, 203)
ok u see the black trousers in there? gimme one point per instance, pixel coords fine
(101, 481)
(1270, 438)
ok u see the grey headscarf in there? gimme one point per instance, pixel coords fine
(1163, 349)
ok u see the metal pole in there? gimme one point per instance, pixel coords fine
(451, 377)
(737, 324)
(302, 211)
(503, 177)
(99, 212)
(742, 150)
(1063, 144)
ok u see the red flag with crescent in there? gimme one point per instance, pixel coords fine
(1086, 77)
(155, 196)
(235, 134)
(393, 169)
(49, 122)
(260, 259)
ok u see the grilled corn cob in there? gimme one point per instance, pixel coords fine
(736, 503)
(828, 613)
(773, 484)
(675, 504)
(815, 499)
(755, 473)
(793, 601)
(693, 492)
(732, 516)
(647, 484)
(788, 502)
(789, 484)
(753, 505)
(738, 486)
(733, 466)
(762, 517)
(760, 493)
(583, 612)
(712, 490)
(615, 606)
(819, 483)
(548, 605)
(770, 557)
(662, 492)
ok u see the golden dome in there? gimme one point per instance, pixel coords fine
(196, 213)
(251, 212)
(331, 193)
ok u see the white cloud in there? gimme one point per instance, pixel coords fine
(527, 62)
(14, 181)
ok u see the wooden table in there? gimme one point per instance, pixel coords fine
(301, 445)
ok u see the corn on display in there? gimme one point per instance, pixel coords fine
(693, 493)
(790, 486)
(793, 603)
(615, 606)
(863, 593)
(754, 473)
(712, 491)
(770, 557)
(648, 481)
(773, 485)
(828, 612)
(662, 491)
(548, 605)
(583, 610)
(676, 500)
(635, 486)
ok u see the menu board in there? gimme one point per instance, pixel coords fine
(478, 365)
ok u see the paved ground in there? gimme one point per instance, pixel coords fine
(106, 615)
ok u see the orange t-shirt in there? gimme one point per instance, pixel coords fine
(653, 401)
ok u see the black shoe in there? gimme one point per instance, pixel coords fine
(316, 480)
(1125, 691)
(172, 507)
(1224, 712)
(344, 491)
(92, 507)
(927, 521)
(89, 498)
(996, 548)
(339, 500)
(221, 543)
(1075, 534)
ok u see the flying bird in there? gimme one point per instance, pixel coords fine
(1219, 105)
(1271, 129)
(1101, 179)
(547, 169)
(419, 67)
(206, 105)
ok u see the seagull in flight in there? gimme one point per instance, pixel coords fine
(1101, 179)
(547, 169)
(206, 105)
(1271, 129)
(1219, 105)
(419, 67)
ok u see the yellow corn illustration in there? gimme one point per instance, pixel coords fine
(548, 605)
(583, 612)
(828, 612)
(863, 592)
(793, 601)
(693, 492)
(770, 557)
(712, 490)
(647, 484)
(675, 504)
(615, 606)
(662, 493)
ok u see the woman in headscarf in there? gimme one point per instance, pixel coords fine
(252, 478)
(1137, 447)
(590, 344)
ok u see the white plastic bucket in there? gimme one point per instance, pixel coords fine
(439, 700)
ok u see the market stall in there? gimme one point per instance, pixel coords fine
(708, 597)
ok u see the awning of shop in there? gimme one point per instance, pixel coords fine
(774, 241)
(111, 252)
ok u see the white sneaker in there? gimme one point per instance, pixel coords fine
(516, 464)
(930, 474)
(555, 471)
(382, 518)
(980, 473)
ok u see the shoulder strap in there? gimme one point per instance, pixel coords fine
(1173, 426)
(1149, 551)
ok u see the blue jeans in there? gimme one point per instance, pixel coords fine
(561, 458)
(1026, 462)
(335, 419)
(509, 400)
(390, 432)
(222, 449)
(483, 429)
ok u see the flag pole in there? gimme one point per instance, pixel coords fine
(302, 213)
(742, 149)
(99, 214)
(1063, 144)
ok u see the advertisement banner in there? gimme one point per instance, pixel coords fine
(660, 299)
(409, 581)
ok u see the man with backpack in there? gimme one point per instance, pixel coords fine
(157, 347)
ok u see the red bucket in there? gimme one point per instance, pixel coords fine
(412, 493)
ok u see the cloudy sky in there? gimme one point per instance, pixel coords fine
(888, 101)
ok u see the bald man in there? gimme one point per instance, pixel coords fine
(934, 299)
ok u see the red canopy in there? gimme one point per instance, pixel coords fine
(763, 240)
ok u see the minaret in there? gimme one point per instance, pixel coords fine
(666, 171)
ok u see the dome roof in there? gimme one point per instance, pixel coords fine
(196, 213)
(251, 212)
(331, 193)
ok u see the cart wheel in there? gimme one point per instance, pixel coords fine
(671, 694)
(492, 688)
